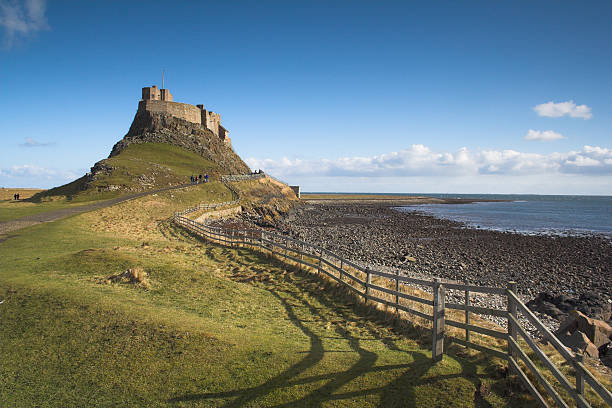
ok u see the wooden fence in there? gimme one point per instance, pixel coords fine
(392, 291)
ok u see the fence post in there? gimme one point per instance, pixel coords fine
(579, 376)
(397, 288)
(301, 256)
(320, 257)
(232, 239)
(512, 311)
(467, 312)
(437, 346)
(286, 247)
(261, 241)
(368, 283)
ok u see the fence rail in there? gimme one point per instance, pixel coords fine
(387, 290)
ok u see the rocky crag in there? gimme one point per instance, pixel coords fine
(150, 127)
(117, 174)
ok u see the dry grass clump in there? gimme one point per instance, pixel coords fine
(136, 276)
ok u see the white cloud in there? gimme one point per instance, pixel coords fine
(544, 136)
(29, 142)
(20, 19)
(30, 175)
(557, 110)
(421, 161)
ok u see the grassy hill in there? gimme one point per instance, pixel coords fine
(210, 326)
(138, 167)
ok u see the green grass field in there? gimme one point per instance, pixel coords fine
(11, 209)
(215, 327)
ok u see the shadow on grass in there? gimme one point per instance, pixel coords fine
(302, 290)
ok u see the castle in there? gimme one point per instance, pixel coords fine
(157, 100)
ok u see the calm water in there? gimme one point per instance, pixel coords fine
(531, 214)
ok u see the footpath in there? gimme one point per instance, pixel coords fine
(13, 225)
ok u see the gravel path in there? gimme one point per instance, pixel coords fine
(13, 225)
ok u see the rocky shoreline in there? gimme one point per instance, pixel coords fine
(573, 269)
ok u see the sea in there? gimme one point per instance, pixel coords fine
(531, 214)
(564, 215)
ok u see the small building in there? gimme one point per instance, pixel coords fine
(296, 190)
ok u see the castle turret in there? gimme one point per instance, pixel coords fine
(166, 95)
(151, 93)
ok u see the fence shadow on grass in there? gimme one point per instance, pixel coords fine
(302, 290)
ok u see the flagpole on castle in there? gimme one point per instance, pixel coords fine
(163, 79)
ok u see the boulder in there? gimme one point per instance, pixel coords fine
(605, 354)
(598, 331)
(559, 306)
(579, 342)
(607, 360)
(585, 335)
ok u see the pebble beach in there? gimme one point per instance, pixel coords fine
(379, 236)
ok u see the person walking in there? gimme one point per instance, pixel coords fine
(206, 178)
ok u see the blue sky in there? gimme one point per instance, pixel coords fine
(389, 96)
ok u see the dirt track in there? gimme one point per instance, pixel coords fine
(13, 225)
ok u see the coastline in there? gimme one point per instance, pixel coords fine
(371, 232)
(388, 199)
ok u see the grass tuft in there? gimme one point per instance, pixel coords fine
(135, 276)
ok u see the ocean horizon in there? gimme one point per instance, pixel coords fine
(563, 215)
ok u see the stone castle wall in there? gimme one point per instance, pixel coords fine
(184, 111)
(213, 120)
(155, 100)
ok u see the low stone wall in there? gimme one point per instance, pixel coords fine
(241, 177)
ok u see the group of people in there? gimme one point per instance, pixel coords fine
(198, 179)
(16, 196)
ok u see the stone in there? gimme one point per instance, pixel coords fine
(598, 331)
(607, 360)
(579, 342)
(551, 310)
(590, 303)
(584, 334)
